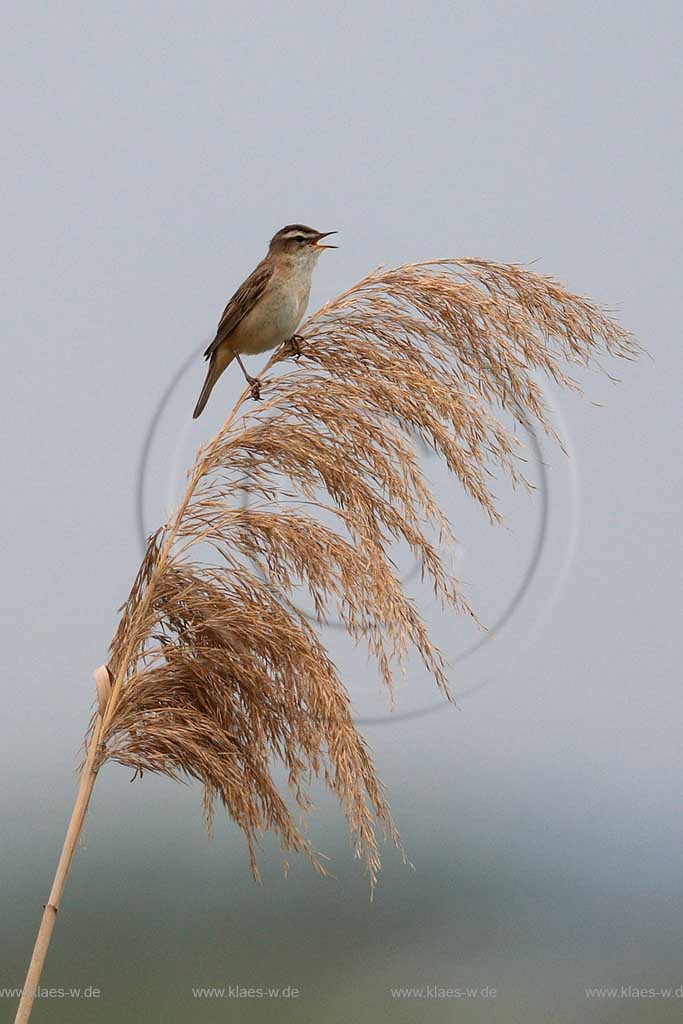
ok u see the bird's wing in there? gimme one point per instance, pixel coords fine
(244, 299)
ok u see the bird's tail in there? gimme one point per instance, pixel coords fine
(213, 373)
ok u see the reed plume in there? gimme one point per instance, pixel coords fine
(215, 672)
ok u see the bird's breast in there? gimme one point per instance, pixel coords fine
(274, 319)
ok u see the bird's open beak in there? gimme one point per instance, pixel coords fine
(325, 234)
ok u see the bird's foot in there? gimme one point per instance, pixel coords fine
(255, 386)
(293, 346)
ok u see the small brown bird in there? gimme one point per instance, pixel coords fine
(267, 309)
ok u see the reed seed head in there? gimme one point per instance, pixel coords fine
(218, 674)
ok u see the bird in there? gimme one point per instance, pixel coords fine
(267, 308)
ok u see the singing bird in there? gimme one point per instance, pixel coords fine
(267, 309)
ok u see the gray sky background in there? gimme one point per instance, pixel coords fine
(150, 150)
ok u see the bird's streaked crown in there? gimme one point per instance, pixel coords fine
(294, 236)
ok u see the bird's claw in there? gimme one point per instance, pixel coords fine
(294, 345)
(255, 386)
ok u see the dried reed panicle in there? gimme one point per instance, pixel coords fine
(217, 671)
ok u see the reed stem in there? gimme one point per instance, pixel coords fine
(73, 832)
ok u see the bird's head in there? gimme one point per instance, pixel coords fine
(299, 240)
